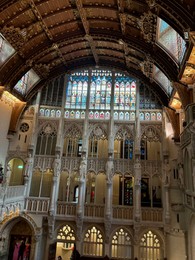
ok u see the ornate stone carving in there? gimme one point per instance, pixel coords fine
(151, 133)
(109, 170)
(147, 67)
(42, 70)
(151, 3)
(147, 24)
(16, 36)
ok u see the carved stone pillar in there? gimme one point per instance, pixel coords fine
(109, 177)
(52, 209)
(166, 183)
(137, 190)
(82, 174)
(54, 191)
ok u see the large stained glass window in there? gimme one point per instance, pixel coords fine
(26, 82)
(6, 50)
(124, 92)
(76, 94)
(170, 40)
(100, 91)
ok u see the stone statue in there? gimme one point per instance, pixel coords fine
(181, 177)
(28, 166)
(166, 172)
(57, 166)
(109, 170)
(8, 175)
(83, 168)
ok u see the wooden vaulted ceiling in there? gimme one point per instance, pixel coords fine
(56, 36)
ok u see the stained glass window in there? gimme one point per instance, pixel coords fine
(26, 82)
(76, 94)
(121, 245)
(171, 40)
(100, 91)
(148, 100)
(124, 92)
(160, 77)
(150, 247)
(93, 242)
(6, 50)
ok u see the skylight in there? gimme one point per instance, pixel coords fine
(6, 50)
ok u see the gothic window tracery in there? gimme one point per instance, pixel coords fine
(93, 242)
(46, 140)
(150, 247)
(121, 247)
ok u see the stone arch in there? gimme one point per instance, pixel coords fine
(158, 234)
(121, 249)
(11, 225)
(88, 230)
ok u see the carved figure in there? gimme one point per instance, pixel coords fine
(109, 170)
(28, 165)
(57, 166)
(8, 175)
(166, 172)
(83, 168)
(181, 177)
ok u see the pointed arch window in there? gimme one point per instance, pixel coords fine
(124, 92)
(121, 245)
(93, 242)
(76, 93)
(150, 247)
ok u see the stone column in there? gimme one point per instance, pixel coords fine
(54, 191)
(137, 190)
(82, 175)
(166, 183)
(137, 164)
(109, 177)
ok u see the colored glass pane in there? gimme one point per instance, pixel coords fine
(160, 77)
(6, 50)
(76, 94)
(171, 40)
(26, 82)
(100, 91)
(124, 92)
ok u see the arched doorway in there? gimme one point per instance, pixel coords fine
(20, 241)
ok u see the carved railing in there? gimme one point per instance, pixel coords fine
(152, 214)
(122, 212)
(43, 162)
(95, 164)
(94, 210)
(14, 192)
(124, 166)
(38, 205)
(70, 163)
(151, 167)
(66, 209)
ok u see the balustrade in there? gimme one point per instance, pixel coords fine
(70, 163)
(15, 192)
(122, 212)
(43, 162)
(66, 209)
(38, 205)
(151, 214)
(94, 210)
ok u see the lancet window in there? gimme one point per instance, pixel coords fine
(150, 247)
(121, 245)
(93, 242)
